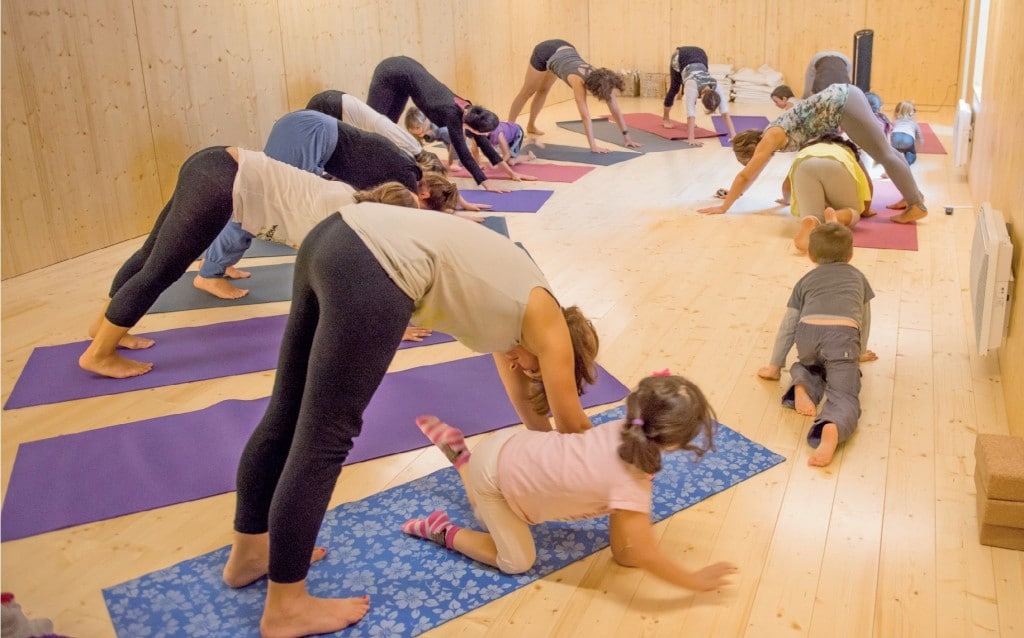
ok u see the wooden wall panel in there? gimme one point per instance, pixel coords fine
(917, 50)
(731, 31)
(810, 26)
(996, 167)
(80, 112)
(329, 45)
(422, 30)
(638, 39)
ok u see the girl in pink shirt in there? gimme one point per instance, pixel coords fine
(518, 478)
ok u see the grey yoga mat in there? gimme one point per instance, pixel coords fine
(267, 284)
(608, 131)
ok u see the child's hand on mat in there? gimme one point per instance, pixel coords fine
(713, 576)
(868, 355)
(770, 372)
(412, 333)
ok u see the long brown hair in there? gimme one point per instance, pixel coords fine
(585, 345)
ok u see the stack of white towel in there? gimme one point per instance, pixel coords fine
(750, 85)
(723, 74)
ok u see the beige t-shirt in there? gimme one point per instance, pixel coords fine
(281, 203)
(551, 476)
(465, 279)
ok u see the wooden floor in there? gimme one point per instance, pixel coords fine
(882, 543)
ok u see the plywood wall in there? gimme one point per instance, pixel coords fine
(103, 100)
(996, 173)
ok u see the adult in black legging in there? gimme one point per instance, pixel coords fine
(360, 277)
(397, 80)
(688, 72)
(201, 205)
(825, 69)
(557, 59)
(320, 144)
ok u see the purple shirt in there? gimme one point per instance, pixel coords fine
(509, 129)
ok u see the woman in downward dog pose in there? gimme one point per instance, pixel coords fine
(361, 276)
(518, 478)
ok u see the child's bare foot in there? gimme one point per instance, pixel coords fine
(218, 287)
(822, 456)
(803, 236)
(770, 372)
(900, 205)
(802, 401)
(868, 355)
(868, 213)
(830, 215)
(249, 560)
(306, 616)
(114, 366)
(234, 273)
(910, 215)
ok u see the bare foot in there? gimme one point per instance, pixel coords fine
(219, 287)
(830, 215)
(305, 615)
(868, 213)
(772, 373)
(114, 366)
(900, 205)
(234, 273)
(534, 131)
(802, 401)
(822, 456)
(666, 124)
(134, 342)
(803, 236)
(868, 355)
(249, 560)
(910, 215)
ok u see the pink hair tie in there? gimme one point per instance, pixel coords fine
(637, 422)
(661, 373)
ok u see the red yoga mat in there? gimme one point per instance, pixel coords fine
(931, 143)
(651, 123)
(880, 231)
(543, 172)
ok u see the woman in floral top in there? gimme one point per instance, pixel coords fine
(840, 105)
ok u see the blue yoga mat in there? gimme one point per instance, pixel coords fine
(267, 285)
(122, 469)
(414, 585)
(180, 355)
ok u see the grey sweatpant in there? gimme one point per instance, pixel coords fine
(828, 364)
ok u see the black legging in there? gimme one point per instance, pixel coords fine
(346, 322)
(198, 210)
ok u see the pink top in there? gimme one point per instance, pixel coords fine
(550, 476)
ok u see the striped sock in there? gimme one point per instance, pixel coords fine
(447, 439)
(437, 527)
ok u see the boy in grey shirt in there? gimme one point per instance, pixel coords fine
(828, 317)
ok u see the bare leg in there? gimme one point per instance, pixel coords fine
(130, 342)
(250, 558)
(666, 121)
(290, 611)
(101, 356)
(547, 80)
(531, 84)
(803, 236)
(822, 456)
(218, 287)
(803, 403)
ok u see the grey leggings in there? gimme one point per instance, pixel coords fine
(346, 322)
(860, 124)
(818, 182)
(828, 364)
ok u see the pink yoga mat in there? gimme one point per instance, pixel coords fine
(931, 143)
(543, 172)
(651, 123)
(121, 469)
(180, 355)
(879, 231)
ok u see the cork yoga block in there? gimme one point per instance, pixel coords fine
(998, 536)
(1000, 466)
(993, 511)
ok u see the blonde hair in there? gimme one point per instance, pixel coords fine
(585, 344)
(388, 193)
(415, 117)
(442, 195)
(905, 111)
(665, 412)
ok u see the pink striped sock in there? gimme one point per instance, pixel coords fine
(447, 439)
(436, 527)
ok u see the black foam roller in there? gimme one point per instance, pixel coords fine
(863, 41)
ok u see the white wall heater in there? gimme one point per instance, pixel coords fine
(991, 277)
(963, 124)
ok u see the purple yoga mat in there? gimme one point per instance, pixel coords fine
(523, 201)
(180, 355)
(740, 123)
(122, 469)
(543, 172)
